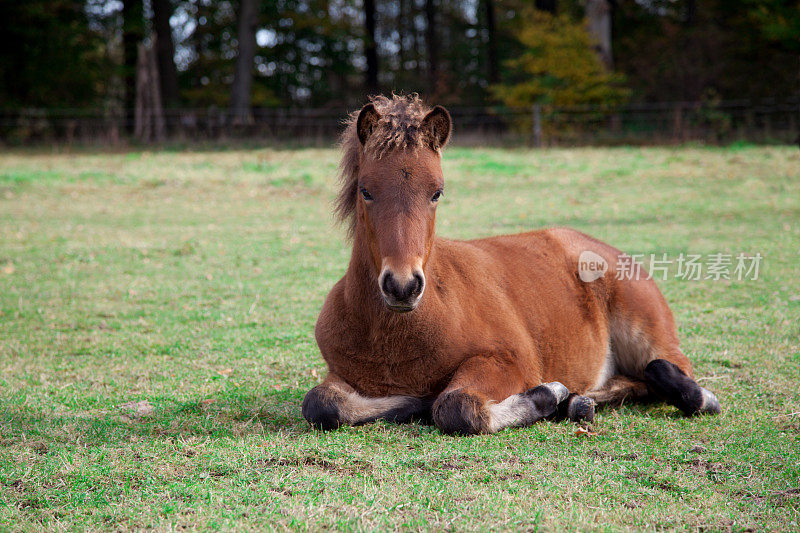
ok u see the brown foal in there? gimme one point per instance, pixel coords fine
(476, 335)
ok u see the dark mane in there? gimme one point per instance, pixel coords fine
(398, 128)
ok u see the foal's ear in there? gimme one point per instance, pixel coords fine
(367, 119)
(437, 125)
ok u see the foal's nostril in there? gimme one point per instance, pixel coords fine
(420, 283)
(414, 287)
(388, 285)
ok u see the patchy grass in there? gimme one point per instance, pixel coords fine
(191, 281)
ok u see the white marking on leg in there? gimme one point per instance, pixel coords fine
(511, 412)
(357, 408)
(710, 403)
(519, 409)
(558, 389)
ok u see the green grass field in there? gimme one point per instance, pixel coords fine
(192, 280)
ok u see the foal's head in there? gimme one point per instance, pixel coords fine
(393, 190)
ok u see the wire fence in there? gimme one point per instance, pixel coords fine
(774, 121)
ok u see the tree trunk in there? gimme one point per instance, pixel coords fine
(491, 45)
(241, 91)
(370, 47)
(691, 12)
(401, 29)
(165, 50)
(132, 35)
(598, 15)
(432, 46)
(149, 123)
(546, 5)
(417, 38)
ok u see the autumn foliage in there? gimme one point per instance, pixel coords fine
(558, 66)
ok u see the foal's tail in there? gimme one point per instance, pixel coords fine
(618, 390)
(662, 381)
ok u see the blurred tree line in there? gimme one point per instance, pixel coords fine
(234, 54)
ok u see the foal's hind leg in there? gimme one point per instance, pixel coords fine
(644, 345)
(334, 403)
(643, 359)
(667, 381)
(618, 390)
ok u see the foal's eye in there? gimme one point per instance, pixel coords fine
(436, 196)
(365, 194)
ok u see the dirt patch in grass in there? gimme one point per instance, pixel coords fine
(351, 466)
(614, 457)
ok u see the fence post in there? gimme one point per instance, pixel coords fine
(750, 119)
(677, 123)
(768, 124)
(537, 125)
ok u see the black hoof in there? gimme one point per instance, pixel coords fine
(580, 408)
(320, 410)
(546, 398)
(458, 413)
(576, 408)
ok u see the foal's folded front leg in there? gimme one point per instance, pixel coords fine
(462, 412)
(334, 403)
(484, 397)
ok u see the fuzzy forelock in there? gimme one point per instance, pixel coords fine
(398, 128)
